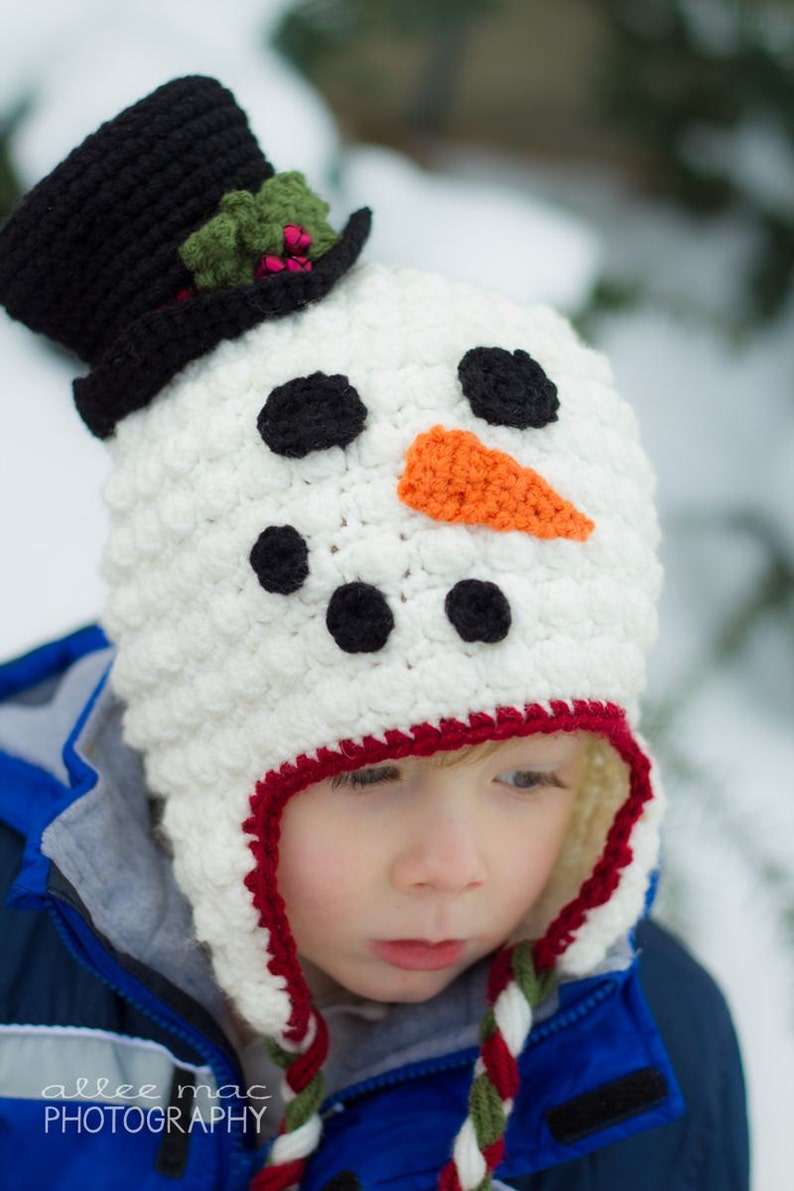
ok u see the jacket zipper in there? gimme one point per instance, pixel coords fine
(59, 913)
(339, 1101)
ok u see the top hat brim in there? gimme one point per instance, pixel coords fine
(161, 343)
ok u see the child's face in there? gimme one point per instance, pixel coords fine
(398, 877)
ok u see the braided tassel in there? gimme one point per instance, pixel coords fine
(303, 1091)
(514, 989)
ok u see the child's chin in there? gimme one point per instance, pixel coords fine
(408, 988)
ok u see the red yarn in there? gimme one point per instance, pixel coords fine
(305, 1067)
(448, 1179)
(501, 1066)
(606, 720)
(500, 973)
(278, 1178)
(617, 854)
(493, 1154)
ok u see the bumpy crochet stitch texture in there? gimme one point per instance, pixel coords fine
(226, 681)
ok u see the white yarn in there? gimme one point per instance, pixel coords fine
(299, 1143)
(606, 923)
(225, 681)
(468, 1159)
(513, 1015)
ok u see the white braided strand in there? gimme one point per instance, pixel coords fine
(469, 1162)
(299, 1143)
(513, 1017)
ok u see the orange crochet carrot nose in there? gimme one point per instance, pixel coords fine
(450, 476)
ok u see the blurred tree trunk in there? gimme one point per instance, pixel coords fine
(429, 110)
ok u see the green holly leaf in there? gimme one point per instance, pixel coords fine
(219, 253)
(226, 250)
(286, 198)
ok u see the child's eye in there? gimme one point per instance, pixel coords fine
(374, 775)
(528, 779)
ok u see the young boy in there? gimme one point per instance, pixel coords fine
(356, 795)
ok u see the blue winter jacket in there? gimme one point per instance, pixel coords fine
(114, 1071)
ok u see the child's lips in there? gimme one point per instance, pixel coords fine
(417, 955)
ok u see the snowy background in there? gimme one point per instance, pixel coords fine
(716, 415)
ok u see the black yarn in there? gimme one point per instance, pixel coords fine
(159, 345)
(478, 610)
(90, 257)
(280, 558)
(93, 246)
(358, 618)
(508, 388)
(311, 413)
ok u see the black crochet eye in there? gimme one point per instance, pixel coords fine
(508, 388)
(311, 413)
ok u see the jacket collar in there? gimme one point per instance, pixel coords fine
(102, 842)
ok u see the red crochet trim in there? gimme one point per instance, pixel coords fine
(606, 720)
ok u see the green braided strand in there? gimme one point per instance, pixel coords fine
(486, 1111)
(487, 1025)
(535, 986)
(306, 1103)
(298, 1111)
(280, 1056)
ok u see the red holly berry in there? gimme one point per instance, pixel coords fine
(297, 240)
(269, 265)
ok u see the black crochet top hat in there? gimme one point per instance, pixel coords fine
(107, 255)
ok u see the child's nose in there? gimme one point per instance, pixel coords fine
(443, 854)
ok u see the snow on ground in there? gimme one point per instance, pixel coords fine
(716, 420)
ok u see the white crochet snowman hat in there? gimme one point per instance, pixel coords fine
(393, 515)
(313, 568)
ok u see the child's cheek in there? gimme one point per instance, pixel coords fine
(316, 870)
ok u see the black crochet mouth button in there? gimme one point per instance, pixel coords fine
(478, 610)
